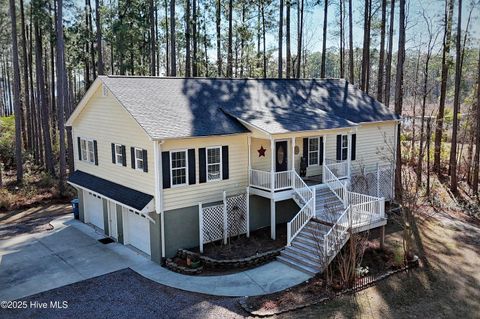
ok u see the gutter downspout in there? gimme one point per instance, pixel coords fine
(157, 147)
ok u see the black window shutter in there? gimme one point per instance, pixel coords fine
(225, 167)
(191, 167)
(124, 156)
(113, 153)
(305, 150)
(95, 152)
(202, 165)
(321, 150)
(354, 146)
(79, 149)
(166, 169)
(132, 155)
(145, 161)
(339, 147)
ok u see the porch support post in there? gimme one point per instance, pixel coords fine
(249, 142)
(272, 219)
(272, 166)
(293, 154)
(382, 237)
(272, 190)
(324, 157)
(349, 156)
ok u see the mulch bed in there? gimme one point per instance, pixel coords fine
(243, 247)
(380, 262)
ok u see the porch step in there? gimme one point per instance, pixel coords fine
(306, 269)
(309, 255)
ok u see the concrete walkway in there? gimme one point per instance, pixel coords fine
(34, 263)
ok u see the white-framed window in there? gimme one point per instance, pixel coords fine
(214, 163)
(87, 148)
(118, 154)
(83, 146)
(178, 167)
(344, 147)
(314, 151)
(139, 158)
(91, 151)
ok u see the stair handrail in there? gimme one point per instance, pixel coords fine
(346, 217)
(307, 211)
(333, 182)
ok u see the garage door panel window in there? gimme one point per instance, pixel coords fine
(214, 164)
(178, 164)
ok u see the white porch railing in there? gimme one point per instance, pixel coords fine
(307, 196)
(365, 209)
(335, 238)
(260, 179)
(283, 180)
(339, 168)
(300, 220)
(336, 186)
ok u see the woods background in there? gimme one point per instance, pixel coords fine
(420, 59)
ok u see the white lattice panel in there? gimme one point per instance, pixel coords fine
(237, 214)
(376, 182)
(212, 223)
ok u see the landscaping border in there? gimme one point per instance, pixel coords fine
(224, 264)
(375, 280)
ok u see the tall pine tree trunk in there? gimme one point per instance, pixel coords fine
(388, 66)
(188, 66)
(195, 39)
(382, 53)
(280, 41)
(99, 37)
(300, 37)
(399, 97)
(153, 37)
(16, 93)
(230, 40)
(25, 62)
(43, 108)
(324, 40)
(366, 46)
(218, 15)
(456, 105)
(443, 86)
(350, 42)
(476, 158)
(61, 95)
(288, 70)
(173, 55)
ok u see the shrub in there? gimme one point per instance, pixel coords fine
(6, 199)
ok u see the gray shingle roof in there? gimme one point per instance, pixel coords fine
(179, 107)
(117, 192)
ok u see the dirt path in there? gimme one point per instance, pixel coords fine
(448, 288)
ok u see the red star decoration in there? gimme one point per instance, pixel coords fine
(261, 151)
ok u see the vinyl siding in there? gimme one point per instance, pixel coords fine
(106, 121)
(375, 143)
(191, 195)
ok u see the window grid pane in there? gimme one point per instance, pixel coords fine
(179, 170)
(213, 164)
(91, 154)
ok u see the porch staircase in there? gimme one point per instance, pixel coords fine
(306, 252)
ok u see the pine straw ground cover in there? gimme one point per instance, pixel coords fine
(379, 261)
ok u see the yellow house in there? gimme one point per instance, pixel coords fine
(152, 152)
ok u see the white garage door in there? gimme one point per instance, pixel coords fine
(94, 210)
(137, 229)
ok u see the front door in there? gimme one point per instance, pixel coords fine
(281, 156)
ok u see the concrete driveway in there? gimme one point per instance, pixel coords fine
(33, 263)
